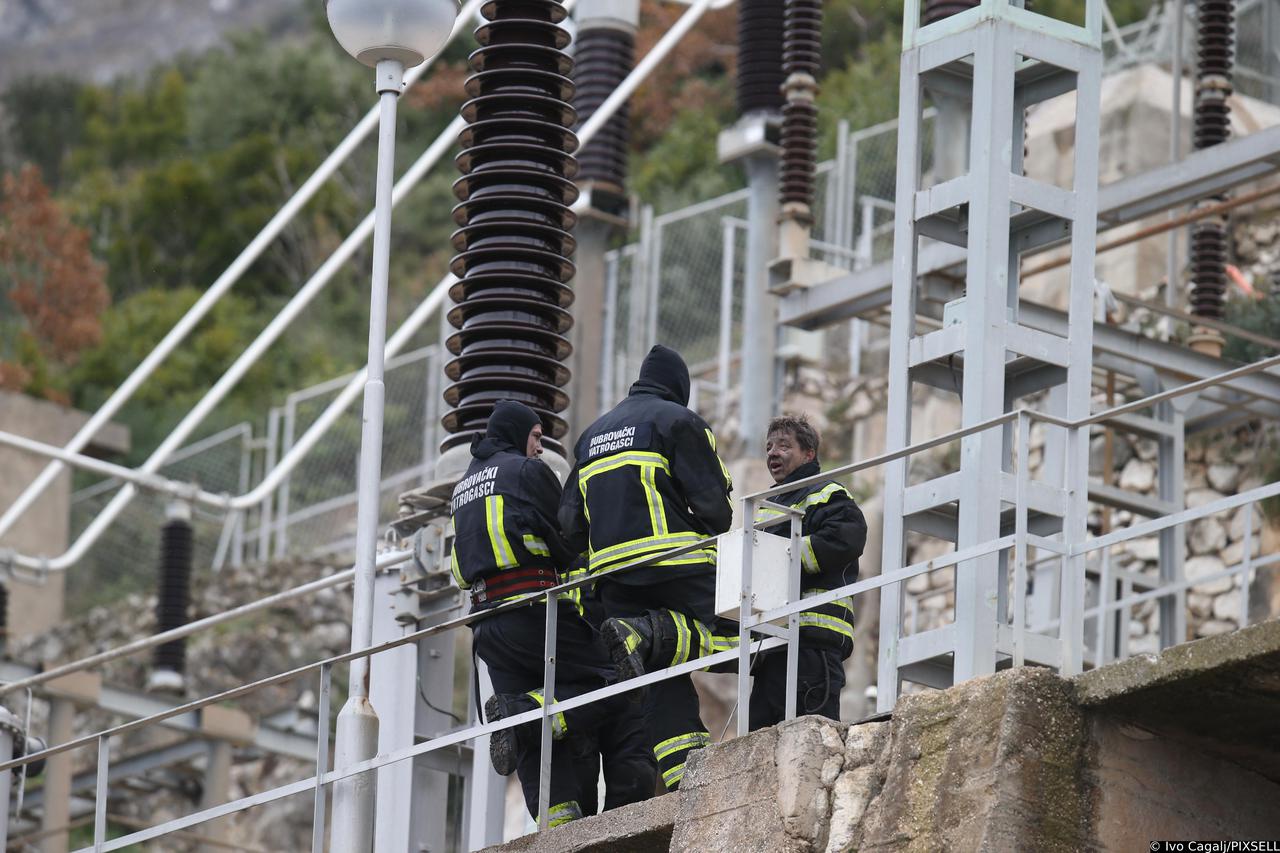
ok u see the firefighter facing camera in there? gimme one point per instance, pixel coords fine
(507, 544)
(833, 533)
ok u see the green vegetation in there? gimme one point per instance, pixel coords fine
(169, 176)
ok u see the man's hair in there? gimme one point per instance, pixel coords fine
(806, 436)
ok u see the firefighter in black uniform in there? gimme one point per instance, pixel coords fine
(648, 480)
(833, 534)
(507, 544)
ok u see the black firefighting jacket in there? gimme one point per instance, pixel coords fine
(647, 480)
(504, 508)
(833, 534)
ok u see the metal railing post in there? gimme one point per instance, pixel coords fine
(548, 693)
(1247, 572)
(1021, 486)
(724, 350)
(265, 523)
(793, 620)
(744, 618)
(100, 793)
(322, 759)
(287, 428)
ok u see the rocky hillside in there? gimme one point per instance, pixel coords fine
(99, 41)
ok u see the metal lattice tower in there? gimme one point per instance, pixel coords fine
(1000, 59)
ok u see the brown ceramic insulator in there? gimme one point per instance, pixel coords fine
(1208, 268)
(1211, 125)
(603, 57)
(802, 37)
(799, 152)
(759, 81)
(801, 57)
(514, 243)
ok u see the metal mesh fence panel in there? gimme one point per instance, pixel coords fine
(125, 557)
(689, 261)
(315, 508)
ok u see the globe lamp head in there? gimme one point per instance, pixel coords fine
(406, 31)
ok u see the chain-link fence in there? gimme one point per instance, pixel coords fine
(313, 511)
(1152, 40)
(124, 559)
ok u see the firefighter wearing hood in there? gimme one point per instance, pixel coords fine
(647, 481)
(506, 545)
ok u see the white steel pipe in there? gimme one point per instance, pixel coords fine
(397, 340)
(220, 286)
(249, 357)
(155, 482)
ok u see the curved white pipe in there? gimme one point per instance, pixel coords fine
(394, 344)
(215, 292)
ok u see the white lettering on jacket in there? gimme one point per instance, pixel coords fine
(608, 442)
(478, 485)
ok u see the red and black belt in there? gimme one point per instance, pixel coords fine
(510, 583)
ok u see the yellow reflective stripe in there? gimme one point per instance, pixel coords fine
(764, 513)
(657, 516)
(562, 813)
(646, 543)
(536, 545)
(820, 497)
(683, 637)
(808, 559)
(502, 553)
(693, 558)
(457, 570)
(672, 776)
(711, 439)
(724, 642)
(688, 740)
(618, 460)
(559, 725)
(811, 619)
(705, 643)
(846, 603)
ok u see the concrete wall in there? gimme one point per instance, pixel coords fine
(34, 607)
(1177, 747)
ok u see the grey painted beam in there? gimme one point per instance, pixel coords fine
(1199, 174)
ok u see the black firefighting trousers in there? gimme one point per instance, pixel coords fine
(821, 678)
(511, 645)
(671, 705)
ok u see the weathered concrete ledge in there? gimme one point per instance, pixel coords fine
(1220, 694)
(1186, 745)
(637, 828)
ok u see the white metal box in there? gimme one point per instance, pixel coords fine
(770, 559)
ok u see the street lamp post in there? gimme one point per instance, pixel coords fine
(388, 36)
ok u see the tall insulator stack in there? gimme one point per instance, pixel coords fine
(760, 76)
(604, 53)
(514, 240)
(801, 59)
(173, 600)
(1211, 126)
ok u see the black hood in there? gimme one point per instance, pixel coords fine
(508, 429)
(664, 373)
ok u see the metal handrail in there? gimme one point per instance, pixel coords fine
(757, 622)
(890, 456)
